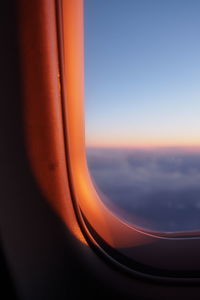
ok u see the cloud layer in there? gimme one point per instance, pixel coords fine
(158, 189)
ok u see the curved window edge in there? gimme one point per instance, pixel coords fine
(158, 255)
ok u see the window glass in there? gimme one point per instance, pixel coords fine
(142, 109)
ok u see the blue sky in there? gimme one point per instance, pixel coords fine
(142, 72)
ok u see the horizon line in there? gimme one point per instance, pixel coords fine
(183, 147)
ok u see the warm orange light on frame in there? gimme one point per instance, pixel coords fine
(106, 224)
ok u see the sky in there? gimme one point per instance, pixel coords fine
(142, 73)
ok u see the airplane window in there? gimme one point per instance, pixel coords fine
(142, 110)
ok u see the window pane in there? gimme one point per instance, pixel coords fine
(142, 98)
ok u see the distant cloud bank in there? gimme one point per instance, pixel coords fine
(158, 189)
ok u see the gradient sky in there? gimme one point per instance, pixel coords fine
(142, 72)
